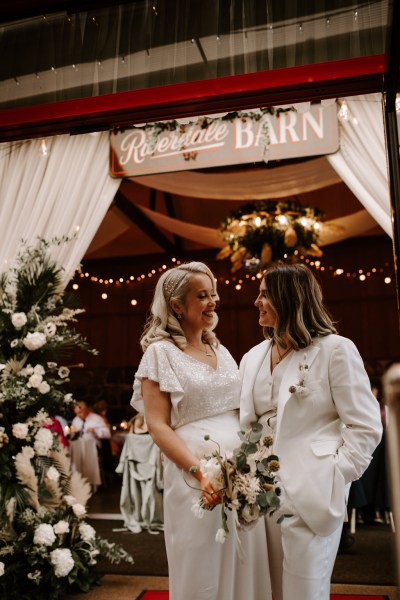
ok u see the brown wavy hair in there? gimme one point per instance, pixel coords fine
(296, 296)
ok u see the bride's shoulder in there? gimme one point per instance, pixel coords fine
(161, 348)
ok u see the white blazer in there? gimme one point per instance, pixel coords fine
(326, 430)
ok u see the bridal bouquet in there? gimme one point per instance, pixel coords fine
(245, 480)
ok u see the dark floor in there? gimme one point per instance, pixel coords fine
(369, 561)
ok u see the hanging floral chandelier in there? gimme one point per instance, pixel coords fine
(259, 234)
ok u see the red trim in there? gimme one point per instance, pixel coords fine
(281, 86)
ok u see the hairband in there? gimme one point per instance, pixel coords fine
(170, 286)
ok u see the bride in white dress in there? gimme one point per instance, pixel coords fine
(187, 385)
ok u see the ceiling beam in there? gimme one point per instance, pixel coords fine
(135, 215)
(171, 213)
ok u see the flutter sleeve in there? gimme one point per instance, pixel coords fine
(156, 365)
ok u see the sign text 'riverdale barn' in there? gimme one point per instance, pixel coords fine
(140, 151)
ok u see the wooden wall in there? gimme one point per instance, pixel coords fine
(366, 312)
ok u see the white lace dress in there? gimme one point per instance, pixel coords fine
(204, 401)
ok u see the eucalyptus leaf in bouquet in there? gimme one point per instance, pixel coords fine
(246, 481)
(47, 549)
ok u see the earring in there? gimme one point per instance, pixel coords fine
(179, 316)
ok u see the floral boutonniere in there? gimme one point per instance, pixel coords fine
(302, 372)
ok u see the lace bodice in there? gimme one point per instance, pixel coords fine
(197, 390)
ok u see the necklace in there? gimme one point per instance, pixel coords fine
(282, 356)
(201, 350)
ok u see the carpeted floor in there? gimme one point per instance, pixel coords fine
(370, 561)
(124, 587)
(163, 595)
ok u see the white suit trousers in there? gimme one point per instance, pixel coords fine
(300, 561)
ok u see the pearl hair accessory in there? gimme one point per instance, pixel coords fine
(170, 285)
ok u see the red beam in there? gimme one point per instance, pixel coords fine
(266, 88)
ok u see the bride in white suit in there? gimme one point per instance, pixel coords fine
(308, 387)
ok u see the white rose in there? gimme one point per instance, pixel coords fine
(250, 513)
(34, 341)
(68, 398)
(87, 532)
(20, 430)
(43, 441)
(53, 474)
(35, 380)
(79, 509)
(19, 320)
(1, 568)
(44, 387)
(52, 365)
(220, 536)
(61, 559)
(61, 527)
(63, 372)
(212, 468)
(44, 535)
(39, 369)
(50, 329)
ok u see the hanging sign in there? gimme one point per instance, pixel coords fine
(217, 142)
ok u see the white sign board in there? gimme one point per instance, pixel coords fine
(225, 142)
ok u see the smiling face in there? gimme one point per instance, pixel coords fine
(198, 309)
(267, 317)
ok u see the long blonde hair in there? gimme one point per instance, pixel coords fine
(163, 323)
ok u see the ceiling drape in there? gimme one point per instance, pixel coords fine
(52, 188)
(333, 231)
(247, 184)
(361, 160)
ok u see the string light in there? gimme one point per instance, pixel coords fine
(43, 148)
(344, 112)
(361, 275)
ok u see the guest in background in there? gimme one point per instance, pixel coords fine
(374, 482)
(110, 450)
(87, 423)
(56, 427)
(309, 389)
(187, 385)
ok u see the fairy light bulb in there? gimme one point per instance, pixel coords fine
(43, 148)
(344, 112)
(282, 220)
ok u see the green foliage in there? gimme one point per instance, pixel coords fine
(46, 547)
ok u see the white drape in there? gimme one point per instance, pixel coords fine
(65, 192)
(280, 182)
(333, 231)
(361, 160)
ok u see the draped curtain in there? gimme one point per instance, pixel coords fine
(361, 160)
(52, 188)
(147, 43)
